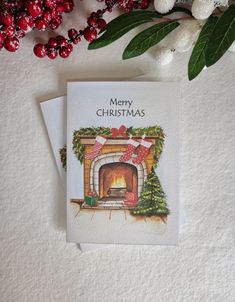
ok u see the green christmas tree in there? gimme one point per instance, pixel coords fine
(152, 200)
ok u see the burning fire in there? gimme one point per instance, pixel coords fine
(118, 182)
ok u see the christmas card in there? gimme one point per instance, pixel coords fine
(123, 162)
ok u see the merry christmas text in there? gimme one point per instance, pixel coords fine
(126, 111)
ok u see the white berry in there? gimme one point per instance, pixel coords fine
(183, 39)
(202, 9)
(163, 6)
(163, 55)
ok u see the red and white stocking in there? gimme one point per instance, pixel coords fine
(142, 152)
(131, 146)
(99, 142)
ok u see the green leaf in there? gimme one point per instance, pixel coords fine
(148, 38)
(222, 37)
(197, 60)
(121, 25)
(112, 25)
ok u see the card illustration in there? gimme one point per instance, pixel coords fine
(119, 169)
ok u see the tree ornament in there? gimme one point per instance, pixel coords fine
(99, 142)
(164, 55)
(232, 47)
(183, 39)
(202, 9)
(132, 144)
(163, 6)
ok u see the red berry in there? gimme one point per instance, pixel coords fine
(101, 23)
(9, 31)
(7, 19)
(34, 9)
(20, 34)
(52, 53)
(53, 42)
(61, 41)
(90, 34)
(60, 8)
(39, 50)
(72, 33)
(70, 48)
(143, 4)
(47, 16)
(68, 6)
(41, 24)
(12, 44)
(64, 53)
(49, 3)
(23, 23)
(92, 21)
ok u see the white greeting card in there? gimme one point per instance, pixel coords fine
(123, 162)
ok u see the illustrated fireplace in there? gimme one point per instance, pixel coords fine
(116, 179)
(110, 178)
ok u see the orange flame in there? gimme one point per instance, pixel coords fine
(118, 182)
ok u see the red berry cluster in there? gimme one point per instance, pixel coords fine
(20, 16)
(129, 5)
(62, 46)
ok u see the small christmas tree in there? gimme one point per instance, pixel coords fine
(152, 199)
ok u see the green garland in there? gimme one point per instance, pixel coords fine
(63, 156)
(78, 148)
(153, 131)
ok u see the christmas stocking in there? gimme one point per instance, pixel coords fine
(142, 152)
(131, 146)
(99, 142)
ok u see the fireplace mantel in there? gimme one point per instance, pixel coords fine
(112, 141)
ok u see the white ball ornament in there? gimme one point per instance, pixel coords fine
(163, 55)
(232, 47)
(202, 9)
(183, 39)
(163, 6)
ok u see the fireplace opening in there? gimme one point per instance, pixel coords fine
(116, 179)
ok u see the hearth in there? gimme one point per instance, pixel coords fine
(116, 179)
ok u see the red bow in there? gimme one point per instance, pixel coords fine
(119, 132)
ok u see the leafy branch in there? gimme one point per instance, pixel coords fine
(217, 35)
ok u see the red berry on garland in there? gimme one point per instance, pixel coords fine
(34, 9)
(47, 16)
(68, 6)
(143, 4)
(12, 44)
(64, 53)
(90, 34)
(92, 21)
(9, 31)
(23, 22)
(50, 3)
(101, 23)
(41, 24)
(39, 50)
(52, 53)
(7, 19)
(53, 42)
(72, 33)
(70, 48)
(61, 41)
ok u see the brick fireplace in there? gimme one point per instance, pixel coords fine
(110, 178)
